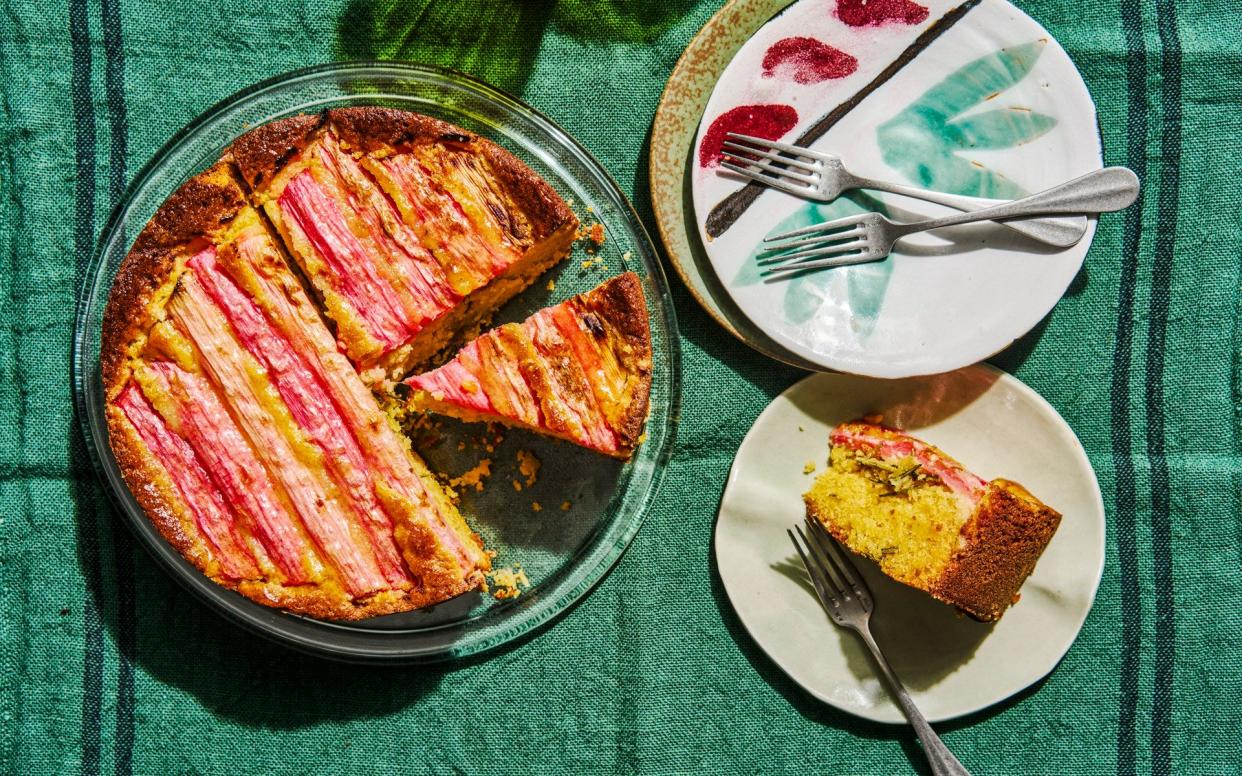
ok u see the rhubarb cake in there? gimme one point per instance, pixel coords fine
(579, 371)
(409, 229)
(927, 521)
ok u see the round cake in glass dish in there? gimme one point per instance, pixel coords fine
(260, 314)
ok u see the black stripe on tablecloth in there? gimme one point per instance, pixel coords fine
(1161, 280)
(1119, 393)
(83, 239)
(122, 542)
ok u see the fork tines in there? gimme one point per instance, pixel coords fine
(833, 244)
(832, 574)
(778, 165)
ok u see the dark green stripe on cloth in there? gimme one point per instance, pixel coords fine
(123, 546)
(1162, 278)
(1119, 393)
(84, 234)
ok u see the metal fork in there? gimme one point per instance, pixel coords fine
(869, 237)
(822, 177)
(847, 601)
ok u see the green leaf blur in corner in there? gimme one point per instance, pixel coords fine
(628, 21)
(494, 40)
(805, 294)
(924, 140)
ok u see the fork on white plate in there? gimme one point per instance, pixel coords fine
(822, 177)
(868, 237)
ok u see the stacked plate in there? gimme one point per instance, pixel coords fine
(971, 98)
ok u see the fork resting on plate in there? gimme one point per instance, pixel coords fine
(823, 177)
(847, 601)
(867, 237)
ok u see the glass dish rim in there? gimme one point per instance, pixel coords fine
(564, 588)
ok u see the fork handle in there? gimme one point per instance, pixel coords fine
(1102, 191)
(1062, 231)
(942, 761)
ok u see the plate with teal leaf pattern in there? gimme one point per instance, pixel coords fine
(968, 97)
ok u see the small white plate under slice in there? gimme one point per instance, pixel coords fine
(952, 665)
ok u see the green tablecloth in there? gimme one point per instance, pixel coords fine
(109, 667)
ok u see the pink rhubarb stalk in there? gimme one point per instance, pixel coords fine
(308, 401)
(889, 445)
(353, 272)
(204, 500)
(233, 467)
(303, 480)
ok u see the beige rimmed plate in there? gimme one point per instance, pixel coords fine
(952, 665)
(672, 138)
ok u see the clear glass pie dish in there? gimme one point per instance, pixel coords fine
(566, 527)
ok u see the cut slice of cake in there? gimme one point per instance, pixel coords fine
(927, 521)
(409, 228)
(580, 371)
(250, 440)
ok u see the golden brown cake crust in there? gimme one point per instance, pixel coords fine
(263, 151)
(621, 302)
(1001, 544)
(202, 206)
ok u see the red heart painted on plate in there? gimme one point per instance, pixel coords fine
(807, 61)
(861, 13)
(766, 121)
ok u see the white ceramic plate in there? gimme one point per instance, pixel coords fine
(996, 426)
(992, 106)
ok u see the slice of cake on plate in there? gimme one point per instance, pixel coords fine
(409, 228)
(579, 371)
(927, 521)
(250, 440)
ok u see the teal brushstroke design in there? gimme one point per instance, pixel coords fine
(805, 294)
(923, 140)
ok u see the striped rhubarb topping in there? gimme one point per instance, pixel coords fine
(549, 373)
(393, 247)
(386, 458)
(228, 458)
(296, 464)
(456, 218)
(312, 408)
(891, 445)
(215, 521)
(352, 271)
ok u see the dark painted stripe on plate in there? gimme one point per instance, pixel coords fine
(1162, 278)
(730, 209)
(123, 545)
(83, 239)
(1119, 394)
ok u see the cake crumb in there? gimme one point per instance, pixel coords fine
(517, 486)
(475, 476)
(593, 235)
(528, 466)
(808, 467)
(508, 582)
(535, 506)
(642, 437)
(469, 386)
(551, 285)
(627, 256)
(565, 506)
